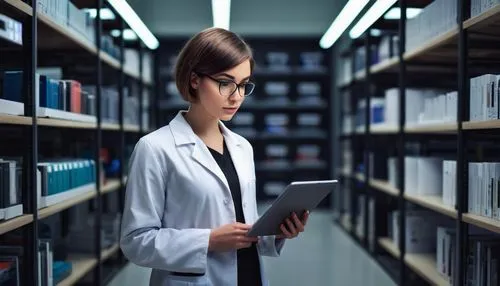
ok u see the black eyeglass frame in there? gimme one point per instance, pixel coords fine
(222, 81)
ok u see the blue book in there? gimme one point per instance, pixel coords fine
(44, 92)
(12, 85)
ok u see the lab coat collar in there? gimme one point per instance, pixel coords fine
(184, 134)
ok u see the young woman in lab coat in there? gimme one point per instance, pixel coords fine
(190, 197)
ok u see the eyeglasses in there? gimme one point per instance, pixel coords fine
(227, 86)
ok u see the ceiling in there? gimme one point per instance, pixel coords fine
(248, 18)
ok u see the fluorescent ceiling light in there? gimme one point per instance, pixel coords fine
(128, 34)
(343, 20)
(134, 22)
(221, 13)
(395, 13)
(106, 14)
(375, 32)
(373, 14)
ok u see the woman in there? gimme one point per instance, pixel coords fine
(190, 196)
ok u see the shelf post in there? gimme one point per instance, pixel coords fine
(367, 142)
(30, 156)
(355, 146)
(461, 250)
(121, 148)
(401, 142)
(98, 134)
(141, 87)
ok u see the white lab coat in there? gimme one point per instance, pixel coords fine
(176, 193)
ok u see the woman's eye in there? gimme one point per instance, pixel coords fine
(225, 83)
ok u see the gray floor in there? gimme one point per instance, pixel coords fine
(323, 255)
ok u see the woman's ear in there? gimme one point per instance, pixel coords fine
(194, 81)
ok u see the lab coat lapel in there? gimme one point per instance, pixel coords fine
(183, 134)
(202, 155)
(235, 148)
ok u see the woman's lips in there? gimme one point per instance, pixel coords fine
(230, 110)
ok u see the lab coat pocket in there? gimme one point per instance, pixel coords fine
(174, 280)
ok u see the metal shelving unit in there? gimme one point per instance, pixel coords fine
(43, 34)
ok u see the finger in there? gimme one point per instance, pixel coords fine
(248, 239)
(298, 223)
(285, 231)
(291, 227)
(242, 226)
(305, 217)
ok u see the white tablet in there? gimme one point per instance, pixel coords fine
(297, 197)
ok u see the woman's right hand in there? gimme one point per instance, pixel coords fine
(230, 237)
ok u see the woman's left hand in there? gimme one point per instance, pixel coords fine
(293, 226)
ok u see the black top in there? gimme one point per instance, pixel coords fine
(248, 258)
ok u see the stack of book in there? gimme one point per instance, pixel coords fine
(10, 261)
(449, 182)
(278, 61)
(10, 188)
(110, 102)
(484, 181)
(423, 176)
(56, 98)
(437, 18)
(445, 253)
(483, 265)
(430, 107)
(63, 179)
(388, 47)
(484, 98)
(421, 229)
(309, 94)
(11, 30)
(277, 124)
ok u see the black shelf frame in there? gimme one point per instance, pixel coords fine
(29, 267)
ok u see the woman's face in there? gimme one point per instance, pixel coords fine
(222, 106)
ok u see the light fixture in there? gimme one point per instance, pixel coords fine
(373, 14)
(221, 13)
(375, 32)
(106, 14)
(395, 13)
(343, 20)
(134, 22)
(128, 34)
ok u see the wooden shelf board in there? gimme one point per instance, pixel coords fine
(384, 186)
(48, 211)
(110, 126)
(111, 186)
(434, 128)
(434, 43)
(110, 60)
(65, 123)
(383, 129)
(475, 125)
(131, 128)
(107, 253)
(483, 19)
(15, 223)
(15, 119)
(81, 266)
(21, 6)
(359, 177)
(384, 65)
(425, 266)
(387, 244)
(482, 222)
(434, 203)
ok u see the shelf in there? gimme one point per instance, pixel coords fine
(432, 128)
(15, 119)
(81, 266)
(385, 65)
(482, 222)
(422, 264)
(132, 128)
(434, 203)
(110, 126)
(48, 211)
(384, 186)
(107, 253)
(432, 45)
(387, 244)
(65, 123)
(383, 129)
(478, 125)
(15, 223)
(425, 266)
(112, 185)
(20, 6)
(360, 177)
(482, 20)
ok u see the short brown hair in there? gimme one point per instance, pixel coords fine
(211, 51)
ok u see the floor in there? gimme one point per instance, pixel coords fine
(323, 255)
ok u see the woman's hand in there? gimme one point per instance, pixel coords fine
(293, 226)
(230, 237)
